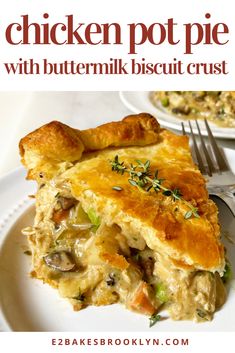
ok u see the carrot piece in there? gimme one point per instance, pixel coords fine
(141, 301)
(59, 215)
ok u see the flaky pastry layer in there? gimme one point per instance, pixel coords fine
(189, 244)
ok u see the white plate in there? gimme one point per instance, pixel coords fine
(138, 101)
(29, 305)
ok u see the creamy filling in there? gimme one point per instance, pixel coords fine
(94, 264)
(216, 106)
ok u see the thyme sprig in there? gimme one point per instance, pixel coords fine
(141, 177)
(154, 319)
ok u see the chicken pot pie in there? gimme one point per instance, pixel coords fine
(216, 106)
(123, 216)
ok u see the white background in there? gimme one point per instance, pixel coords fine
(198, 342)
(22, 112)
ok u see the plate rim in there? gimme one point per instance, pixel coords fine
(124, 96)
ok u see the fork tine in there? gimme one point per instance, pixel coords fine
(218, 155)
(198, 156)
(210, 165)
(183, 129)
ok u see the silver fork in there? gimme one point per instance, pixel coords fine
(213, 165)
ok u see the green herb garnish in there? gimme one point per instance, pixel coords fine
(165, 102)
(95, 220)
(161, 293)
(140, 176)
(228, 274)
(117, 188)
(154, 319)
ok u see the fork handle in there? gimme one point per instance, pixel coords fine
(229, 198)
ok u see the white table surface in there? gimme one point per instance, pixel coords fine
(22, 112)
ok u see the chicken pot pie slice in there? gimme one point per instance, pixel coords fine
(123, 216)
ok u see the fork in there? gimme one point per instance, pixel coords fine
(213, 165)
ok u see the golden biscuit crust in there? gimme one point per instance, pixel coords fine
(192, 244)
(55, 142)
(133, 130)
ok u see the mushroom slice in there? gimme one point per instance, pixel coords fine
(66, 202)
(60, 260)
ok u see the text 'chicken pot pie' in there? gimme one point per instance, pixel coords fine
(123, 216)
